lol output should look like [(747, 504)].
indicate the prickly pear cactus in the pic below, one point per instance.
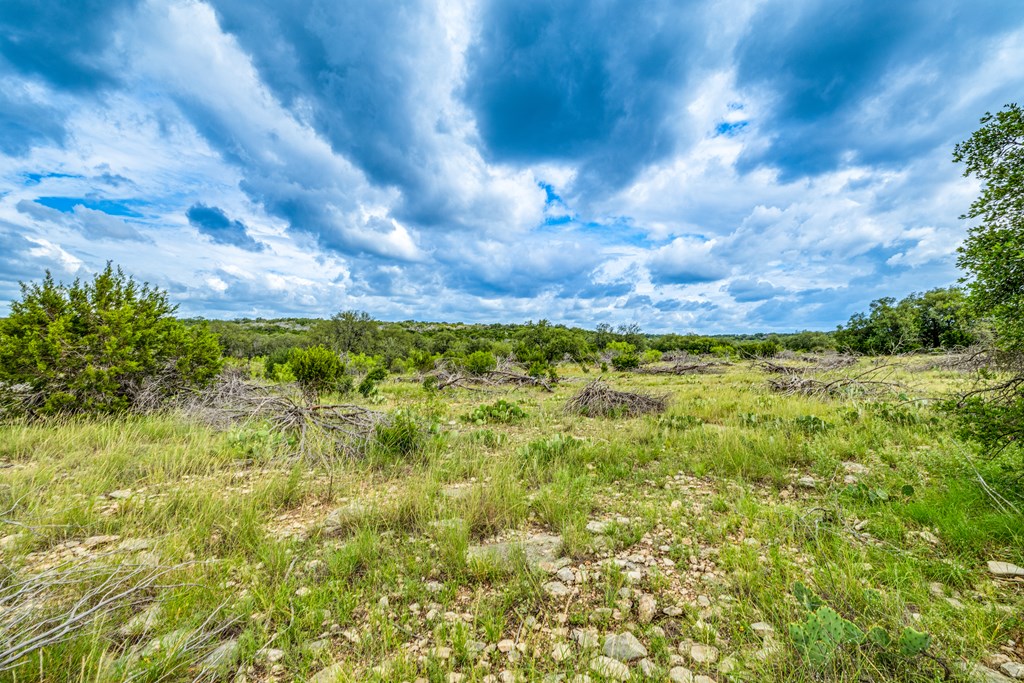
[(821, 635), (914, 642), (879, 636), (805, 597)]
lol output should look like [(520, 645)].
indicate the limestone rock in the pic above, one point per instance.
[(624, 647), (610, 668)]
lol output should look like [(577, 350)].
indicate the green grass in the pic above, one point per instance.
[(706, 493)]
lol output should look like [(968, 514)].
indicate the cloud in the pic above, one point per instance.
[(686, 260), (699, 166), (596, 85), (853, 82), (215, 224)]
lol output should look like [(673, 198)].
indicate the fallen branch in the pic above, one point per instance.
[(597, 399)]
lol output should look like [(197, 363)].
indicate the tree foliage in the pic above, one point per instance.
[(993, 257), (317, 369), (993, 253), (104, 346), (936, 319)]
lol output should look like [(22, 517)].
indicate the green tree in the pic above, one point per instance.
[(993, 253), (104, 346), (350, 332), (993, 257)]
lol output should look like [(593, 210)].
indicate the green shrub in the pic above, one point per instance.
[(399, 435), (369, 384), (626, 361), (480, 362), (101, 347), (317, 369)]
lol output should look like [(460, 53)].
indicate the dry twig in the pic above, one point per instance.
[(597, 399)]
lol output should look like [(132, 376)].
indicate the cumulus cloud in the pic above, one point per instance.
[(720, 166), (215, 224)]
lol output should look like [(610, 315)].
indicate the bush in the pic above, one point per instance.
[(102, 347), (369, 383), (400, 435), (626, 361), (480, 362), (317, 369)]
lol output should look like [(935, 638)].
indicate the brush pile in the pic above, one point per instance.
[(872, 382), (683, 368), (597, 399), (505, 375), (234, 400)]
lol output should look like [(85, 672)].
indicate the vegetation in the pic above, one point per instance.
[(100, 347), (937, 319), (317, 369)]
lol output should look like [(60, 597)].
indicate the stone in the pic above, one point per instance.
[(142, 623), (610, 668), (761, 629), (506, 645), (854, 468), (703, 654), (646, 609), (807, 483), (928, 537), (315, 647), (539, 548), (271, 655), (983, 674), (1005, 570), (672, 611), (647, 668), (556, 589), (120, 494), (680, 674), (302, 591), (345, 516), (565, 575), (586, 638), (335, 673), (703, 679), (1013, 670), (455, 677), (597, 527), (165, 643), (624, 647), (728, 665), (221, 657), (561, 651)]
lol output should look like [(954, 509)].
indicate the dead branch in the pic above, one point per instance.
[(710, 368), (597, 399), (871, 382), (233, 400)]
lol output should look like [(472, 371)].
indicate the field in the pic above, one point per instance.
[(511, 550)]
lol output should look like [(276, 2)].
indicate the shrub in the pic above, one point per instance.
[(317, 369), (400, 435), (626, 361), (369, 383), (101, 347), (480, 362)]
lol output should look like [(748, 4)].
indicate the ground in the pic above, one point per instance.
[(558, 547)]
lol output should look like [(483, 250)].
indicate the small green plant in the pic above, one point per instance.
[(368, 386), (811, 424), (678, 422), (399, 435), (317, 370), (823, 634), (500, 411)]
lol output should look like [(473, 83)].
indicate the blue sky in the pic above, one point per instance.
[(715, 166)]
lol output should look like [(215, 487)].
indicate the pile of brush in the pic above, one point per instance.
[(597, 399)]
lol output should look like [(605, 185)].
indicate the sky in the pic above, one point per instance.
[(710, 166)]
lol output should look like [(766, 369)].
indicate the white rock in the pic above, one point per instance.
[(609, 668), (335, 673), (556, 589), (647, 667), (565, 575), (807, 482), (646, 608), (761, 628), (624, 647), (1005, 570), (586, 638), (561, 651), (1013, 670), (680, 674), (506, 645), (703, 654)]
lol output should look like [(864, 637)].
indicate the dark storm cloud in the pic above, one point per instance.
[(589, 83), (215, 224), (824, 68)]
